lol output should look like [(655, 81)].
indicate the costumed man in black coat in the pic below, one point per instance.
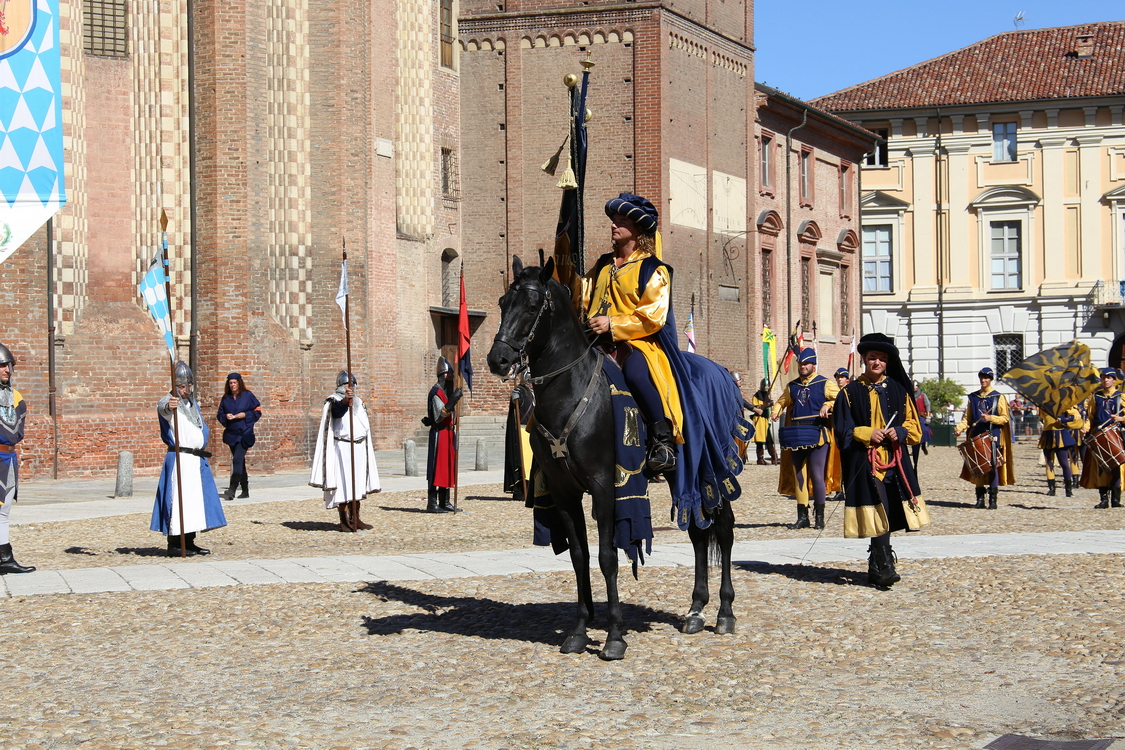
[(875, 417)]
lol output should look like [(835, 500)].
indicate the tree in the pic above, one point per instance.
[(944, 394)]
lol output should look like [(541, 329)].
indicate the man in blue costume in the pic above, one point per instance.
[(806, 442), (202, 509), (1105, 412), (13, 412), (988, 413)]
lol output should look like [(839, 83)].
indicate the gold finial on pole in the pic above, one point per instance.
[(571, 80), (588, 63)]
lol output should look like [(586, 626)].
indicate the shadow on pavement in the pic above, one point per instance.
[(142, 551), (809, 573), (311, 525), (547, 622), (402, 510)]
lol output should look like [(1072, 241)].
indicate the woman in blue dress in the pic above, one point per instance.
[(238, 411)]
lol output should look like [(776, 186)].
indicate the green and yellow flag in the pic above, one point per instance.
[(1056, 379), (769, 353)]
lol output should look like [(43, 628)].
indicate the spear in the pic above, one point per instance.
[(175, 390), (349, 512)]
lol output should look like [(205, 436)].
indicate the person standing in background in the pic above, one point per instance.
[(238, 411)]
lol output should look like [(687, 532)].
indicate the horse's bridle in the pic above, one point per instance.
[(521, 349)]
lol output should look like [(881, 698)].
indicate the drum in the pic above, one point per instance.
[(977, 452), (1108, 448)]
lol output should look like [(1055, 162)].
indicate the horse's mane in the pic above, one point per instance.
[(558, 291)]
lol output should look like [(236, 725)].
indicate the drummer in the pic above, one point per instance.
[(1104, 408), (987, 414), (1059, 441)]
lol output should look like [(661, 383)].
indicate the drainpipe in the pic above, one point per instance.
[(51, 406), (193, 346), (940, 238), (789, 222)]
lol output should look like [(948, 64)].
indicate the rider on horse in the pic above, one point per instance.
[(625, 299)]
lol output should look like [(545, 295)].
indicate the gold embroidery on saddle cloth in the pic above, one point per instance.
[(622, 475), (630, 435)]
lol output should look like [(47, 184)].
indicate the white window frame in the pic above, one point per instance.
[(766, 173), (1006, 256), (1004, 142), (890, 258)]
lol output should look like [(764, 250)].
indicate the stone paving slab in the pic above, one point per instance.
[(178, 574)]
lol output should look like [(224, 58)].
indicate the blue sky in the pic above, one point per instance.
[(811, 48)]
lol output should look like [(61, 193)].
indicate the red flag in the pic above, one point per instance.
[(464, 340), (794, 349)]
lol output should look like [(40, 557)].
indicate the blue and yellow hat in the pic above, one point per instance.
[(634, 207), (987, 372), (1111, 372), (843, 372), (807, 355)]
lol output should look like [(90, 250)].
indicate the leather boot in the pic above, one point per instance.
[(1103, 493), (444, 503), (245, 487), (174, 546), (358, 523), (8, 562), (761, 455), (662, 448), (432, 501), (992, 498), (193, 548), (980, 497), (228, 494), (1051, 488), (345, 517), (1115, 497), (1068, 487), (881, 567), (773, 454), (818, 512), (802, 517)]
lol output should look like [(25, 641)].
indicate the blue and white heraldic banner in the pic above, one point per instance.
[(31, 133)]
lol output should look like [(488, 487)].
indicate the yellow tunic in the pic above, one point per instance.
[(787, 478), (1002, 417), (636, 316), (761, 421), (1093, 475)]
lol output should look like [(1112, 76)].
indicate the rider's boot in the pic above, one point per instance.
[(802, 517), (980, 497), (1051, 488), (662, 448), (1103, 493), (819, 514)]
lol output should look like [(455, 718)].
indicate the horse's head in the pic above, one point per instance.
[(522, 313)]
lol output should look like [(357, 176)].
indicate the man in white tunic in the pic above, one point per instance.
[(345, 432), (202, 509)]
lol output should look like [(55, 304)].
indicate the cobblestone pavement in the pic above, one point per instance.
[(960, 651)]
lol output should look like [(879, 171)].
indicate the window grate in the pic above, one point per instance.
[(1009, 351), (105, 29)]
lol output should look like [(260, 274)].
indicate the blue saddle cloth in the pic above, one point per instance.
[(632, 511)]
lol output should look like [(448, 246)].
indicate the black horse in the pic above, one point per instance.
[(538, 321)]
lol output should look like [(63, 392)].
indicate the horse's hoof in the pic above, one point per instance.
[(693, 623), (575, 644), (613, 651), (725, 625)]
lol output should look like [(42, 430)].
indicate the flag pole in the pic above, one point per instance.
[(349, 512), (457, 413), (175, 391)]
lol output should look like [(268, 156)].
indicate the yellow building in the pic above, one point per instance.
[(993, 222)]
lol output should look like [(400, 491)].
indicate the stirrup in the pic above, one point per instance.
[(661, 457)]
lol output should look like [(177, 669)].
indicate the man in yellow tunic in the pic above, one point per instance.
[(1105, 414), (987, 414), (625, 299)]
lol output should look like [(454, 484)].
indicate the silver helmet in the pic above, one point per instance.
[(184, 375), (443, 367), (6, 357), (342, 378)]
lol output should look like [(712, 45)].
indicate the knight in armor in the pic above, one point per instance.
[(875, 417), (441, 461), (760, 405), (344, 459), (625, 299), (1059, 442), (179, 413), (987, 413), (1105, 413), (13, 413), (806, 439)]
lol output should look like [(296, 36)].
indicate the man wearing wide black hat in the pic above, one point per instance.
[(874, 418), (988, 414)]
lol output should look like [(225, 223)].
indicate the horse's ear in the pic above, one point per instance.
[(517, 266), (548, 271)]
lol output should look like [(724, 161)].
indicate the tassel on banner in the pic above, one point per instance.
[(552, 165), (568, 181)]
